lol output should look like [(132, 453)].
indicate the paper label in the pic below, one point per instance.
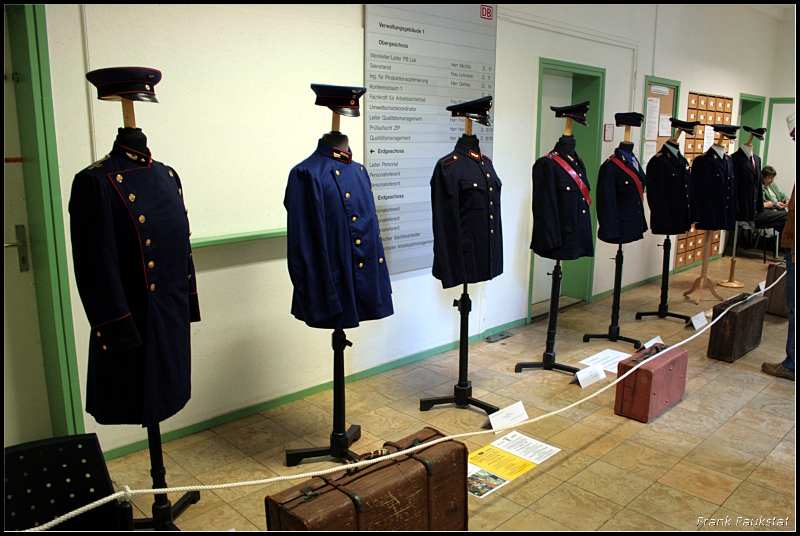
[(589, 375), (699, 320), (607, 359), (508, 416), (651, 342)]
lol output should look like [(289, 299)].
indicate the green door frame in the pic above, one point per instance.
[(27, 29), (588, 83), (772, 103), (666, 82), (751, 113)]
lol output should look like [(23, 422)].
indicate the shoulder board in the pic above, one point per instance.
[(658, 154), (447, 160), (487, 159), (99, 163)]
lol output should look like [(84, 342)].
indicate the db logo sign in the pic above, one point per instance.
[(486, 12)]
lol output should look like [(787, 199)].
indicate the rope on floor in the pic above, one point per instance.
[(126, 494)]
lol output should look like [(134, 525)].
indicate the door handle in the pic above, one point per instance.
[(22, 248)]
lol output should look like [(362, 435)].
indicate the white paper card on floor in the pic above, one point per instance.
[(589, 375), (651, 342), (699, 320), (608, 359), (507, 416)]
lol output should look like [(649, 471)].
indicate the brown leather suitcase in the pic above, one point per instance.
[(426, 490), (739, 331), (776, 296), (654, 387)]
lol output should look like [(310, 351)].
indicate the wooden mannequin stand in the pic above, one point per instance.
[(663, 307), (340, 439), (613, 330), (731, 282), (462, 391), (549, 357), (164, 512)]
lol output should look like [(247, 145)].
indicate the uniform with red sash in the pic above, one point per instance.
[(620, 205)]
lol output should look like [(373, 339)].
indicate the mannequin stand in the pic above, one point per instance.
[(703, 280), (731, 282), (663, 307), (549, 357), (462, 391), (341, 439), (613, 330), (164, 513)]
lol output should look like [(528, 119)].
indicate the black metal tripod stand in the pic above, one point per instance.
[(164, 513), (340, 439), (462, 391), (549, 357), (663, 307), (613, 330)]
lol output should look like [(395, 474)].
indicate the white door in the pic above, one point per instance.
[(26, 411)]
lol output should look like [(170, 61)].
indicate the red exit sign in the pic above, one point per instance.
[(487, 12)]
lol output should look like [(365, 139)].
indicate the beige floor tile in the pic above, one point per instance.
[(490, 512), (304, 420), (725, 459), (563, 400), (208, 499), (565, 464), (245, 470), (606, 420), (491, 380), (387, 391), (528, 520), (641, 460), (184, 441), (204, 456), (630, 521), (744, 439), (222, 518), (421, 378), (754, 501), (610, 482), (355, 403), (785, 453), (529, 487), (745, 380), (136, 457), (258, 437), (587, 440), (774, 476), (137, 475), (672, 507), (762, 422), (545, 427), (689, 422), (290, 406), (381, 422), (700, 481), (666, 439), (251, 506), (223, 429), (780, 407), (575, 508), (781, 388), (456, 420)]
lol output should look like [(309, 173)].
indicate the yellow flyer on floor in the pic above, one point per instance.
[(497, 464)]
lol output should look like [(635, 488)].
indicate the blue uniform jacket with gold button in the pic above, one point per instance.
[(669, 193), (136, 279), (467, 229), (714, 190), (335, 253), (562, 223), (620, 210)]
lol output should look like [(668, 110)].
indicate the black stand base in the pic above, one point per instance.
[(462, 391), (549, 357), (613, 330), (663, 307), (164, 513), (340, 439)]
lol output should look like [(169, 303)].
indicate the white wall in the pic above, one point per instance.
[(248, 348)]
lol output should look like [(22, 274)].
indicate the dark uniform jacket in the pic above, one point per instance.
[(669, 193), (562, 224), (714, 190), (749, 196), (620, 210), (335, 252), (467, 231), (135, 275)]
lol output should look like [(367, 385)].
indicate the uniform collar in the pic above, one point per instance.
[(462, 149), (334, 153), (132, 156)]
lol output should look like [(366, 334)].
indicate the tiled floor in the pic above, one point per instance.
[(728, 449)]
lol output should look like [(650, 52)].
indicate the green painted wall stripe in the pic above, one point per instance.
[(240, 237), (252, 410)]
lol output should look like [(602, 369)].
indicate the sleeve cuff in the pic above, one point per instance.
[(119, 334), (194, 307)]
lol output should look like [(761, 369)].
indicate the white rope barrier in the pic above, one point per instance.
[(126, 494)]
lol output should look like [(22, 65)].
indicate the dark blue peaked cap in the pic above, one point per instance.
[(132, 83), (686, 126), (727, 130), (757, 132), (630, 119), (477, 110), (576, 112), (341, 99)]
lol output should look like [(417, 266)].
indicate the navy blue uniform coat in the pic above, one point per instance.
[(136, 279), (620, 210), (467, 230), (669, 193), (714, 190), (335, 253), (749, 196), (562, 224)]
